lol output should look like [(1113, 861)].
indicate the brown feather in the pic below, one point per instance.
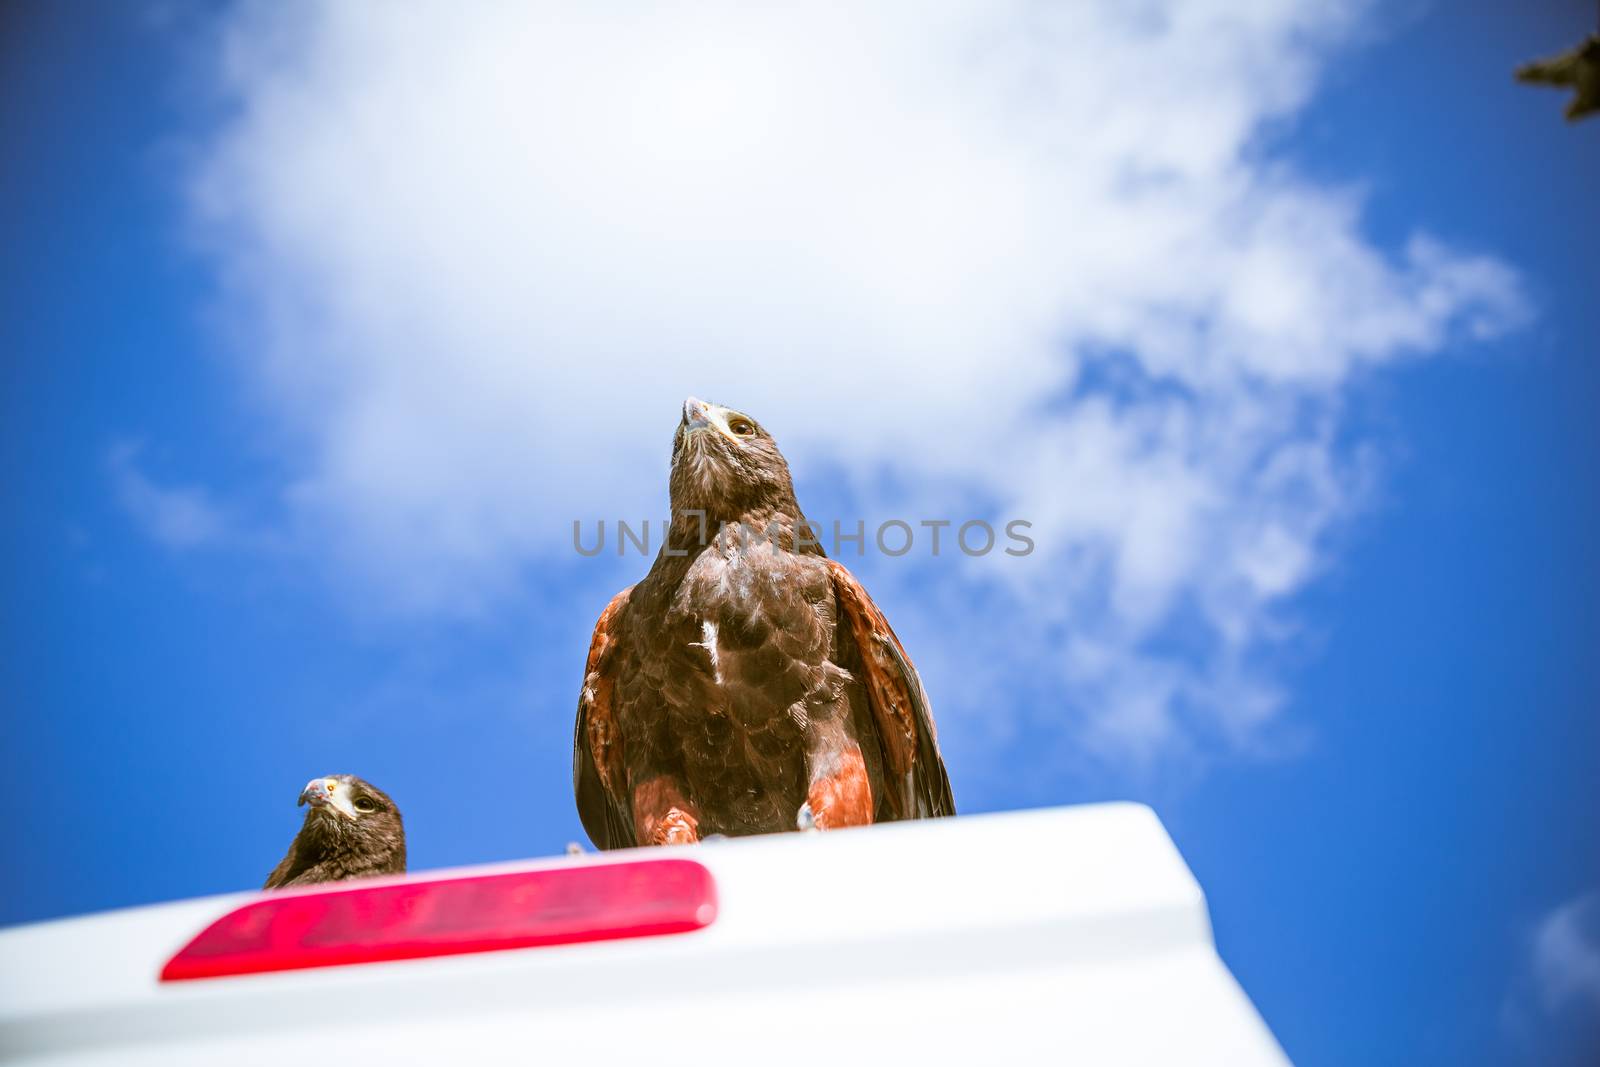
[(744, 678), (899, 706), (331, 847), (597, 771)]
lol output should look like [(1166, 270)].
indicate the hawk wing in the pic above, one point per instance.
[(917, 785), (287, 867), (599, 781), (1557, 70)]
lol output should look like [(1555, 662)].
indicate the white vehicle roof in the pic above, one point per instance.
[(1076, 934)]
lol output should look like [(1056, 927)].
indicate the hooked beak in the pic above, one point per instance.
[(700, 415), (328, 793)]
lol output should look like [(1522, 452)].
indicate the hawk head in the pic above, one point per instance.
[(725, 464), (353, 828)]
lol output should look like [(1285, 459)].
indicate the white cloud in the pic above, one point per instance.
[(1034, 255), (1566, 956), (179, 517), (1551, 1009)]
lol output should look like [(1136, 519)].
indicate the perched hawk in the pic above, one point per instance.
[(352, 830), (747, 684), (1577, 68)]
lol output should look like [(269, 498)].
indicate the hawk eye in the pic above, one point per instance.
[(742, 427), (365, 805)]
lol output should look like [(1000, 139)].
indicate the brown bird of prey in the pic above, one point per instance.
[(747, 684), (1578, 68), (352, 830)]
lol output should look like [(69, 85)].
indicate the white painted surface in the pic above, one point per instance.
[(1071, 934)]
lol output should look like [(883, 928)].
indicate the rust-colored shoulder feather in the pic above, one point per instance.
[(598, 778), (899, 705)]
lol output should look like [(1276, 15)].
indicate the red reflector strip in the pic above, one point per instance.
[(409, 920)]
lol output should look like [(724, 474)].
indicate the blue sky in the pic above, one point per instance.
[(1332, 614)]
